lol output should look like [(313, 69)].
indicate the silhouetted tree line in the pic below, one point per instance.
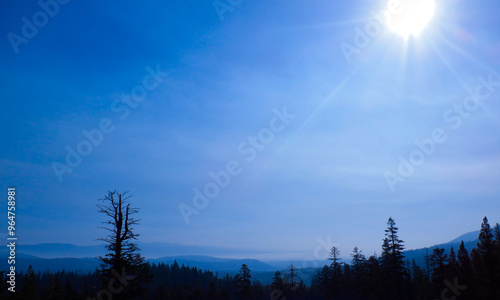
[(61, 285), (447, 274), (168, 282)]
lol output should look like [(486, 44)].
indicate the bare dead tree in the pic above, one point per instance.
[(123, 269)]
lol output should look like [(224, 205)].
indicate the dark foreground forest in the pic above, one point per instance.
[(124, 274)]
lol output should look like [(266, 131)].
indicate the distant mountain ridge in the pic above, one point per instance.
[(468, 237), (61, 250), (60, 256), (215, 264), (470, 240), (85, 265), (149, 250)]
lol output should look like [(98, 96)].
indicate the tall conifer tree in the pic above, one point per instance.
[(392, 262)]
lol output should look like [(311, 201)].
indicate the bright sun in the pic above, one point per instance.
[(409, 17)]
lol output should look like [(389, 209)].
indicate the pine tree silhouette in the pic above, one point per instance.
[(392, 262)]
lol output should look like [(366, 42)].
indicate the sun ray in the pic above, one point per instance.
[(317, 110), (450, 68), (337, 89), (266, 168), (462, 83), (462, 52)]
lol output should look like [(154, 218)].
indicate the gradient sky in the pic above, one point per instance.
[(321, 177)]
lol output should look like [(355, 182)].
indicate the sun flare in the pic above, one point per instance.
[(409, 17)]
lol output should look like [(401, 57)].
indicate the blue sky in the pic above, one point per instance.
[(323, 175)]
